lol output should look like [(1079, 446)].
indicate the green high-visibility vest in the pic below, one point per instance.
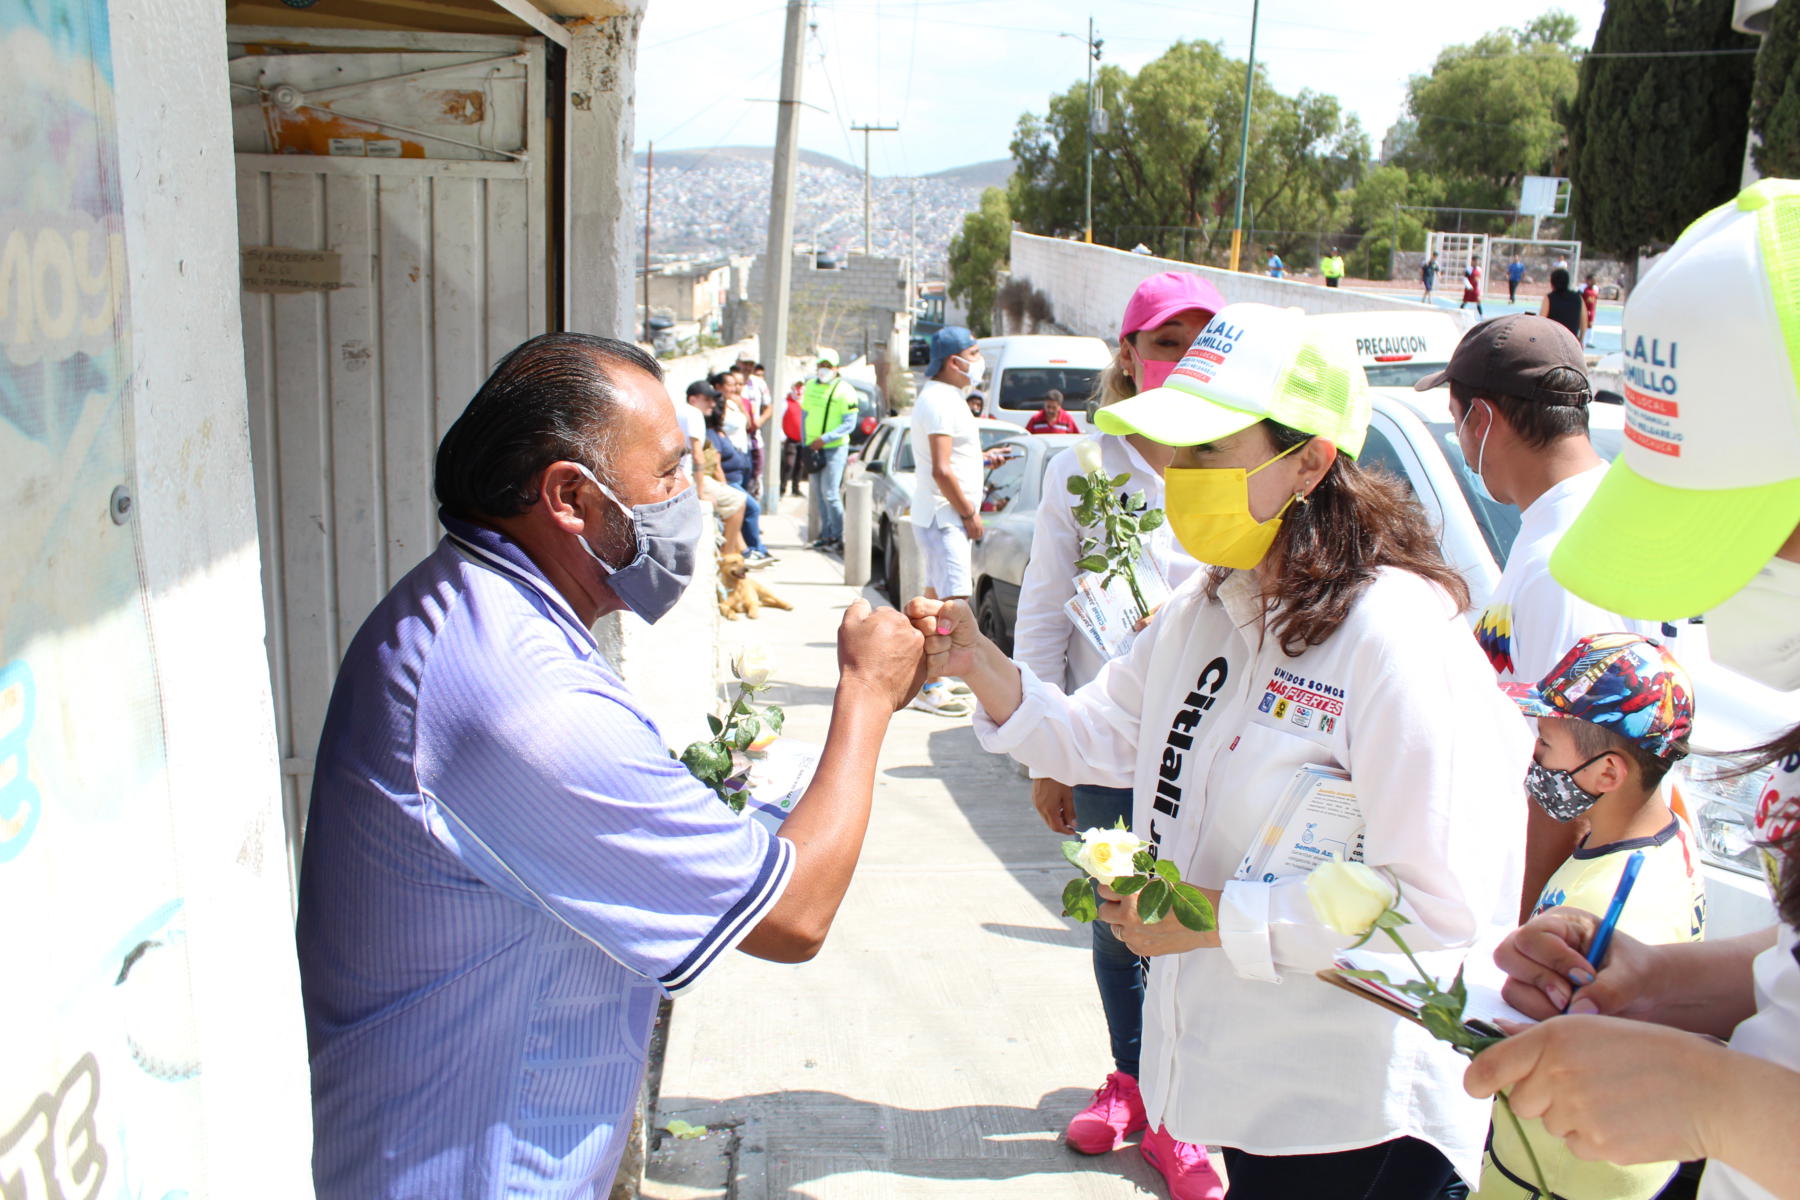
[(824, 406)]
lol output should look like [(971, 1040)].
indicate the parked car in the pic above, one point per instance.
[(887, 460), (1009, 504), (869, 410), (1022, 369), (1412, 435)]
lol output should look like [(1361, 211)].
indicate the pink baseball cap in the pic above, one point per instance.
[(1162, 296)]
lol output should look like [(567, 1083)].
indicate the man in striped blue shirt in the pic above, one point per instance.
[(504, 869)]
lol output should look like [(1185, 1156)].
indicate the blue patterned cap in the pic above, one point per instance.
[(1624, 683)]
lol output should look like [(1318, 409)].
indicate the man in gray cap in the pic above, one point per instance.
[(1519, 396)]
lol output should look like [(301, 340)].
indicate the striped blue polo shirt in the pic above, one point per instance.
[(504, 870)]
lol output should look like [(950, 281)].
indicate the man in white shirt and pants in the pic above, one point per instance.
[(1519, 395), (946, 506)]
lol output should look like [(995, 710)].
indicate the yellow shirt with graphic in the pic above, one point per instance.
[(1667, 904)]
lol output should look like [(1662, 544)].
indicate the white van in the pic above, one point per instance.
[(1397, 348), (1022, 369)]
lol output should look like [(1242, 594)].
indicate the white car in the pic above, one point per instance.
[(1397, 349), (1022, 369), (1412, 434)]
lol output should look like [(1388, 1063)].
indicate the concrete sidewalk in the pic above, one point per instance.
[(948, 1030)]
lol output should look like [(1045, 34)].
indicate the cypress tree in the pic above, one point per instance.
[(1775, 102), (1657, 141)]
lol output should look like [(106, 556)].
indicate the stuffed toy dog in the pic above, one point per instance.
[(739, 593)]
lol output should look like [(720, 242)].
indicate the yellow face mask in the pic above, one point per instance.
[(1209, 514)]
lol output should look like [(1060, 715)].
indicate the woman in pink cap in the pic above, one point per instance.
[(1164, 316)]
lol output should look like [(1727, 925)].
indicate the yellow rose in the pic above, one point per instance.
[(1349, 896), (753, 665), (1106, 853)]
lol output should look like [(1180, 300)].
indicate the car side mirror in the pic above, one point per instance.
[(875, 468)]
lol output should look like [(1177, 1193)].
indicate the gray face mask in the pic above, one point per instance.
[(1557, 793), (668, 541)]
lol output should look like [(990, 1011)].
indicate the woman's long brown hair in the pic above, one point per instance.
[(1787, 898), (1329, 549)]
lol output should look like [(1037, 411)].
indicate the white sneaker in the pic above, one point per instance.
[(942, 701), (960, 688)]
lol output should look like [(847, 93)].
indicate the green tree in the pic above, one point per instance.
[(1377, 210), (1775, 97), (1490, 113), (977, 255), (1165, 164), (1656, 141)]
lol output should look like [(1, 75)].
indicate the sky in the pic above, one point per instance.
[(956, 74)]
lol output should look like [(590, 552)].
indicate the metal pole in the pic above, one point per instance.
[(1088, 208), (649, 182), (778, 262), (1237, 227), (868, 221)]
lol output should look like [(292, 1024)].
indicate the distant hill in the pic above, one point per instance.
[(993, 173), (686, 159)]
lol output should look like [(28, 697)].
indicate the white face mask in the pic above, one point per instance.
[(975, 368), (1757, 631), (826, 375)]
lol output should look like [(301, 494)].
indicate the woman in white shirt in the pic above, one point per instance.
[(1163, 317), (1330, 632), (1680, 530)]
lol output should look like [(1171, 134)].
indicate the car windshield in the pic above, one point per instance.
[(1022, 389), (1399, 374), (1500, 522)]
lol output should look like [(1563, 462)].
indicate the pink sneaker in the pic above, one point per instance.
[(1116, 1112), (1184, 1167)]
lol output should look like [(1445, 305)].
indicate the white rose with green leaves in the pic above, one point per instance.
[(1349, 896), (1106, 853), (1087, 456), (753, 665)]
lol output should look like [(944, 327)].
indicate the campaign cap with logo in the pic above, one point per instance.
[(1622, 682), (1253, 362), (1707, 487)]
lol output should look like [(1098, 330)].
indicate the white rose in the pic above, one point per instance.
[(1348, 896), (753, 665), (1106, 853), (1087, 456)]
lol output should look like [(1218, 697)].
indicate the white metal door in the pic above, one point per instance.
[(356, 370)]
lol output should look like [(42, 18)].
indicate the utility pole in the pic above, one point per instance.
[(1237, 226), (868, 209), (1093, 56), (649, 182), (779, 260)]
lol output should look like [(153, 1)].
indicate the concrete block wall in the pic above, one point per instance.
[(857, 302), (1088, 286)]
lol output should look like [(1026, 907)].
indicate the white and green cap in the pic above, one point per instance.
[(1253, 362), (1707, 487)]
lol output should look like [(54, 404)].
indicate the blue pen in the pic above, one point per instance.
[(1603, 936)]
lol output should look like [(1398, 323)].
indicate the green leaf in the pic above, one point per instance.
[(1093, 562), (1135, 502), (742, 707), (1193, 909), (1421, 989), (717, 726), (1144, 861), (735, 800), (1119, 481), (1444, 1026), (1459, 992), (1390, 920), (1154, 901), (1078, 900), (1127, 884), (1150, 520), (1077, 485), (1169, 872), (685, 1131), (1375, 976), (708, 762), (1072, 852), (1126, 528)]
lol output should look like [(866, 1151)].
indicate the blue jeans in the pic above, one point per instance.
[(828, 485), (753, 525), (1118, 972)]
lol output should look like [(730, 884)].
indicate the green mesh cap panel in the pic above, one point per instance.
[(1325, 394), (1778, 227)]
